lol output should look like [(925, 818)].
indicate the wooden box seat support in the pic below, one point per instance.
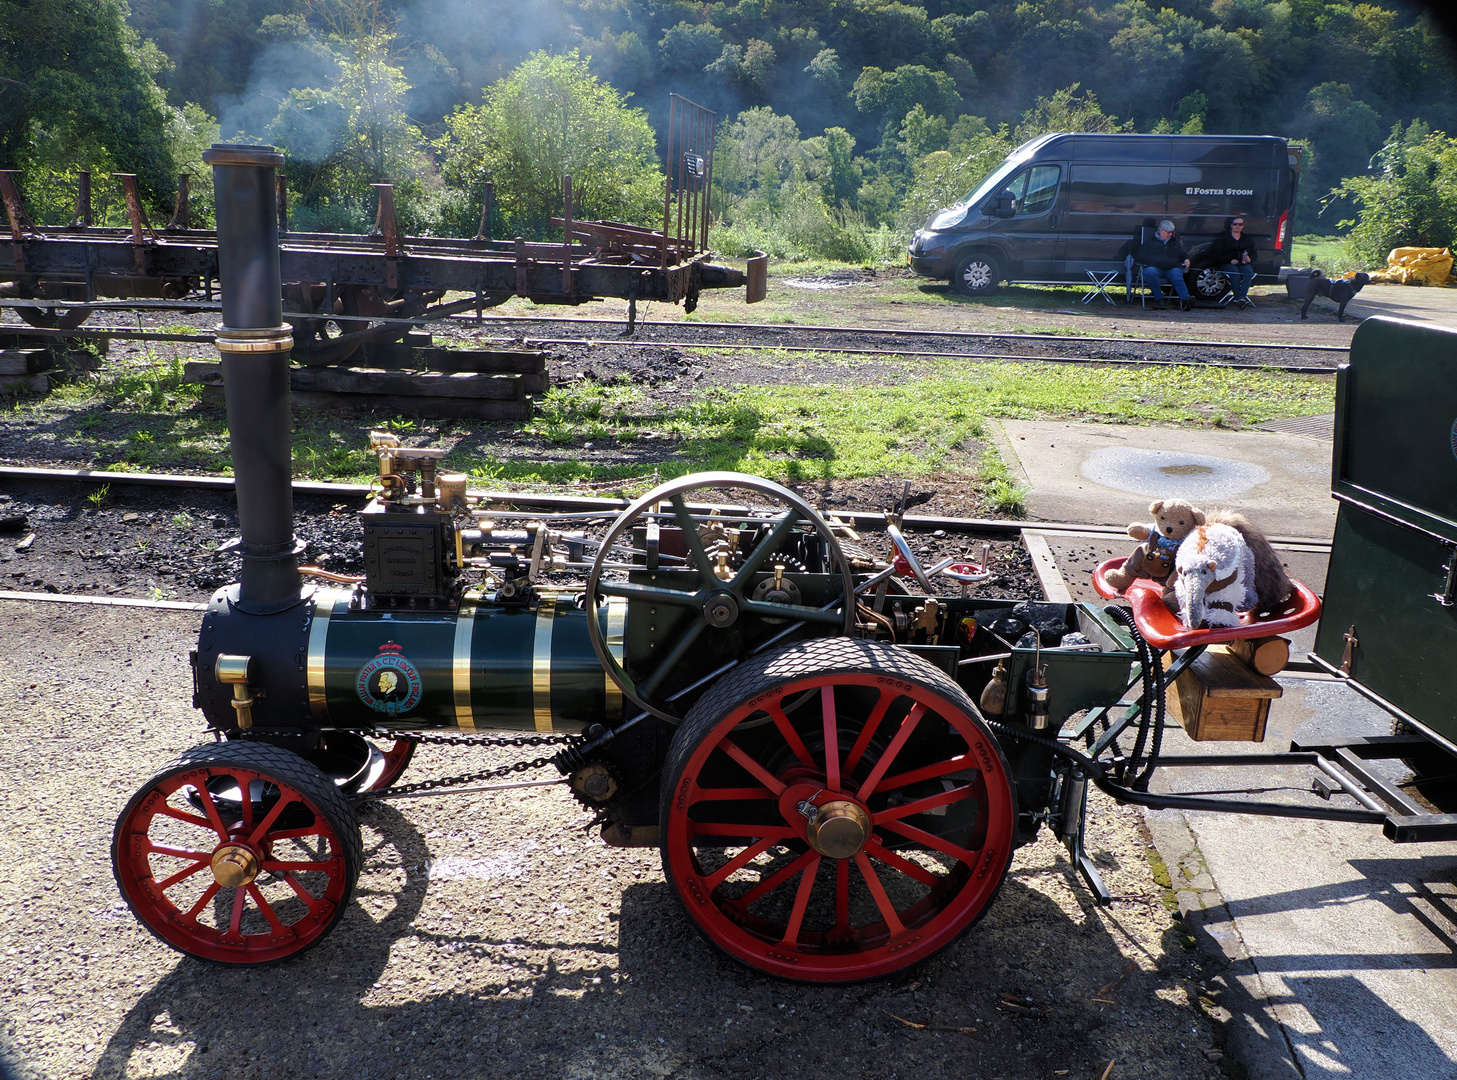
[(1220, 698)]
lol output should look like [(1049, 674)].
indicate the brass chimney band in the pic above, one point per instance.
[(273, 339)]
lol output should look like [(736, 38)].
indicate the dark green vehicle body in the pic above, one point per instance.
[(1394, 471)]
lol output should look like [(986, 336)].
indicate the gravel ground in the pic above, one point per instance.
[(495, 937)]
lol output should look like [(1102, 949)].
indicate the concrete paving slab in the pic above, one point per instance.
[(1424, 303), (1342, 947), (1107, 474)]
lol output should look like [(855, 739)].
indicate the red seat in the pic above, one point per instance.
[(1163, 629)]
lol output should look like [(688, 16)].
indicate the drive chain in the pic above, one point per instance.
[(418, 737)]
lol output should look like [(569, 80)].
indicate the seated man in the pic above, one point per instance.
[(1164, 257), (1233, 256)]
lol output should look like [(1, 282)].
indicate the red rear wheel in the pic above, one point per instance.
[(835, 811), (238, 853)]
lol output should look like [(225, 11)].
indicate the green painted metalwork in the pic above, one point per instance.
[(1390, 615), (504, 678), (1384, 580), (1396, 424)]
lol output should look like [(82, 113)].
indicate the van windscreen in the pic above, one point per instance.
[(988, 187)]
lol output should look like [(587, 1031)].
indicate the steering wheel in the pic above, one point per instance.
[(736, 610)]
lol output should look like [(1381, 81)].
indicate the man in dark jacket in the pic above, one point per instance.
[(1164, 257)]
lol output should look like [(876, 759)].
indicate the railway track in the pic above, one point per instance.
[(548, 504), (980, 346)]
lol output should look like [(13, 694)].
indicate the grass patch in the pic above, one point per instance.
[(804, 433), (1328, 254)]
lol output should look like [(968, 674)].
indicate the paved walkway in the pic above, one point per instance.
[(1338, 948)]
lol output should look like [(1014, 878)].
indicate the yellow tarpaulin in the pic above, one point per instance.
[(1417, 266)]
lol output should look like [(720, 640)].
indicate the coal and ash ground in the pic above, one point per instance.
[(161, 544)]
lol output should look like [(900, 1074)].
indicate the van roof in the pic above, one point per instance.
[(1251, 151)]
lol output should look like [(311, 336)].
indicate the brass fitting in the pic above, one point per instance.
[(234, 671)]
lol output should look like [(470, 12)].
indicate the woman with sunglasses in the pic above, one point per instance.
[(1233, 255)]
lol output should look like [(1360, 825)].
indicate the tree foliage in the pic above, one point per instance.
[(1410, 200), (549, 119), (76, 93)]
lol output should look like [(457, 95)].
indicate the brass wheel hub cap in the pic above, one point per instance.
[(839, 829), (234, 866)]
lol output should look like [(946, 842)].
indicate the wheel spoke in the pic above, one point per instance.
[(181, 875), (314, 906), (316, 829), (930, 772), (925, 839), (796, 744), (210, 808), (257, 835), (730, 794), (745, 829), (692, 541), (177, 853), (797, 612), (766, 547), (773, 882), (905, 866), (832, 737), (666, 664), (184, 816), (265, 907), (302, 867), (872, 724), (738, 862), (239, 896), (757, 771), (842, 896), (877, 890), (245, 800), (202, 902), (908, 725), (920, 806), (801, 901), (632, 591)]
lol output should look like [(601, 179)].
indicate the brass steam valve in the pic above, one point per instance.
[(234, 670)]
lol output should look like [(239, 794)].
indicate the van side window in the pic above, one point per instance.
[(1041, 190)]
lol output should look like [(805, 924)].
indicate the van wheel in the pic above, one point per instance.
[(1210, 284), (976, 275)]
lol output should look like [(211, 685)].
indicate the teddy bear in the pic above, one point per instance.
[(1173, 519)]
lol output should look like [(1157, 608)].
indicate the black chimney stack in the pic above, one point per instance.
[(255, 346)]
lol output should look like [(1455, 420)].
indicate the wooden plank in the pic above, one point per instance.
[(374, 381), (1225, 675), (495, 361), (24, 361), (1220, 699), (25, 384), (390, 405), (466, 384), (209, 373)]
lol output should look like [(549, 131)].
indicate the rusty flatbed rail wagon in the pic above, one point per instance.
[(724, 673), (334, 286)]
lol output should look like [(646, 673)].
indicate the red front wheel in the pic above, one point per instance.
[(835, 811), (238, 853)]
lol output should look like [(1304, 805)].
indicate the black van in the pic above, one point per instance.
[(1061, 205)]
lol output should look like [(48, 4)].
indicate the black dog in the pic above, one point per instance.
[(1341, 290)]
